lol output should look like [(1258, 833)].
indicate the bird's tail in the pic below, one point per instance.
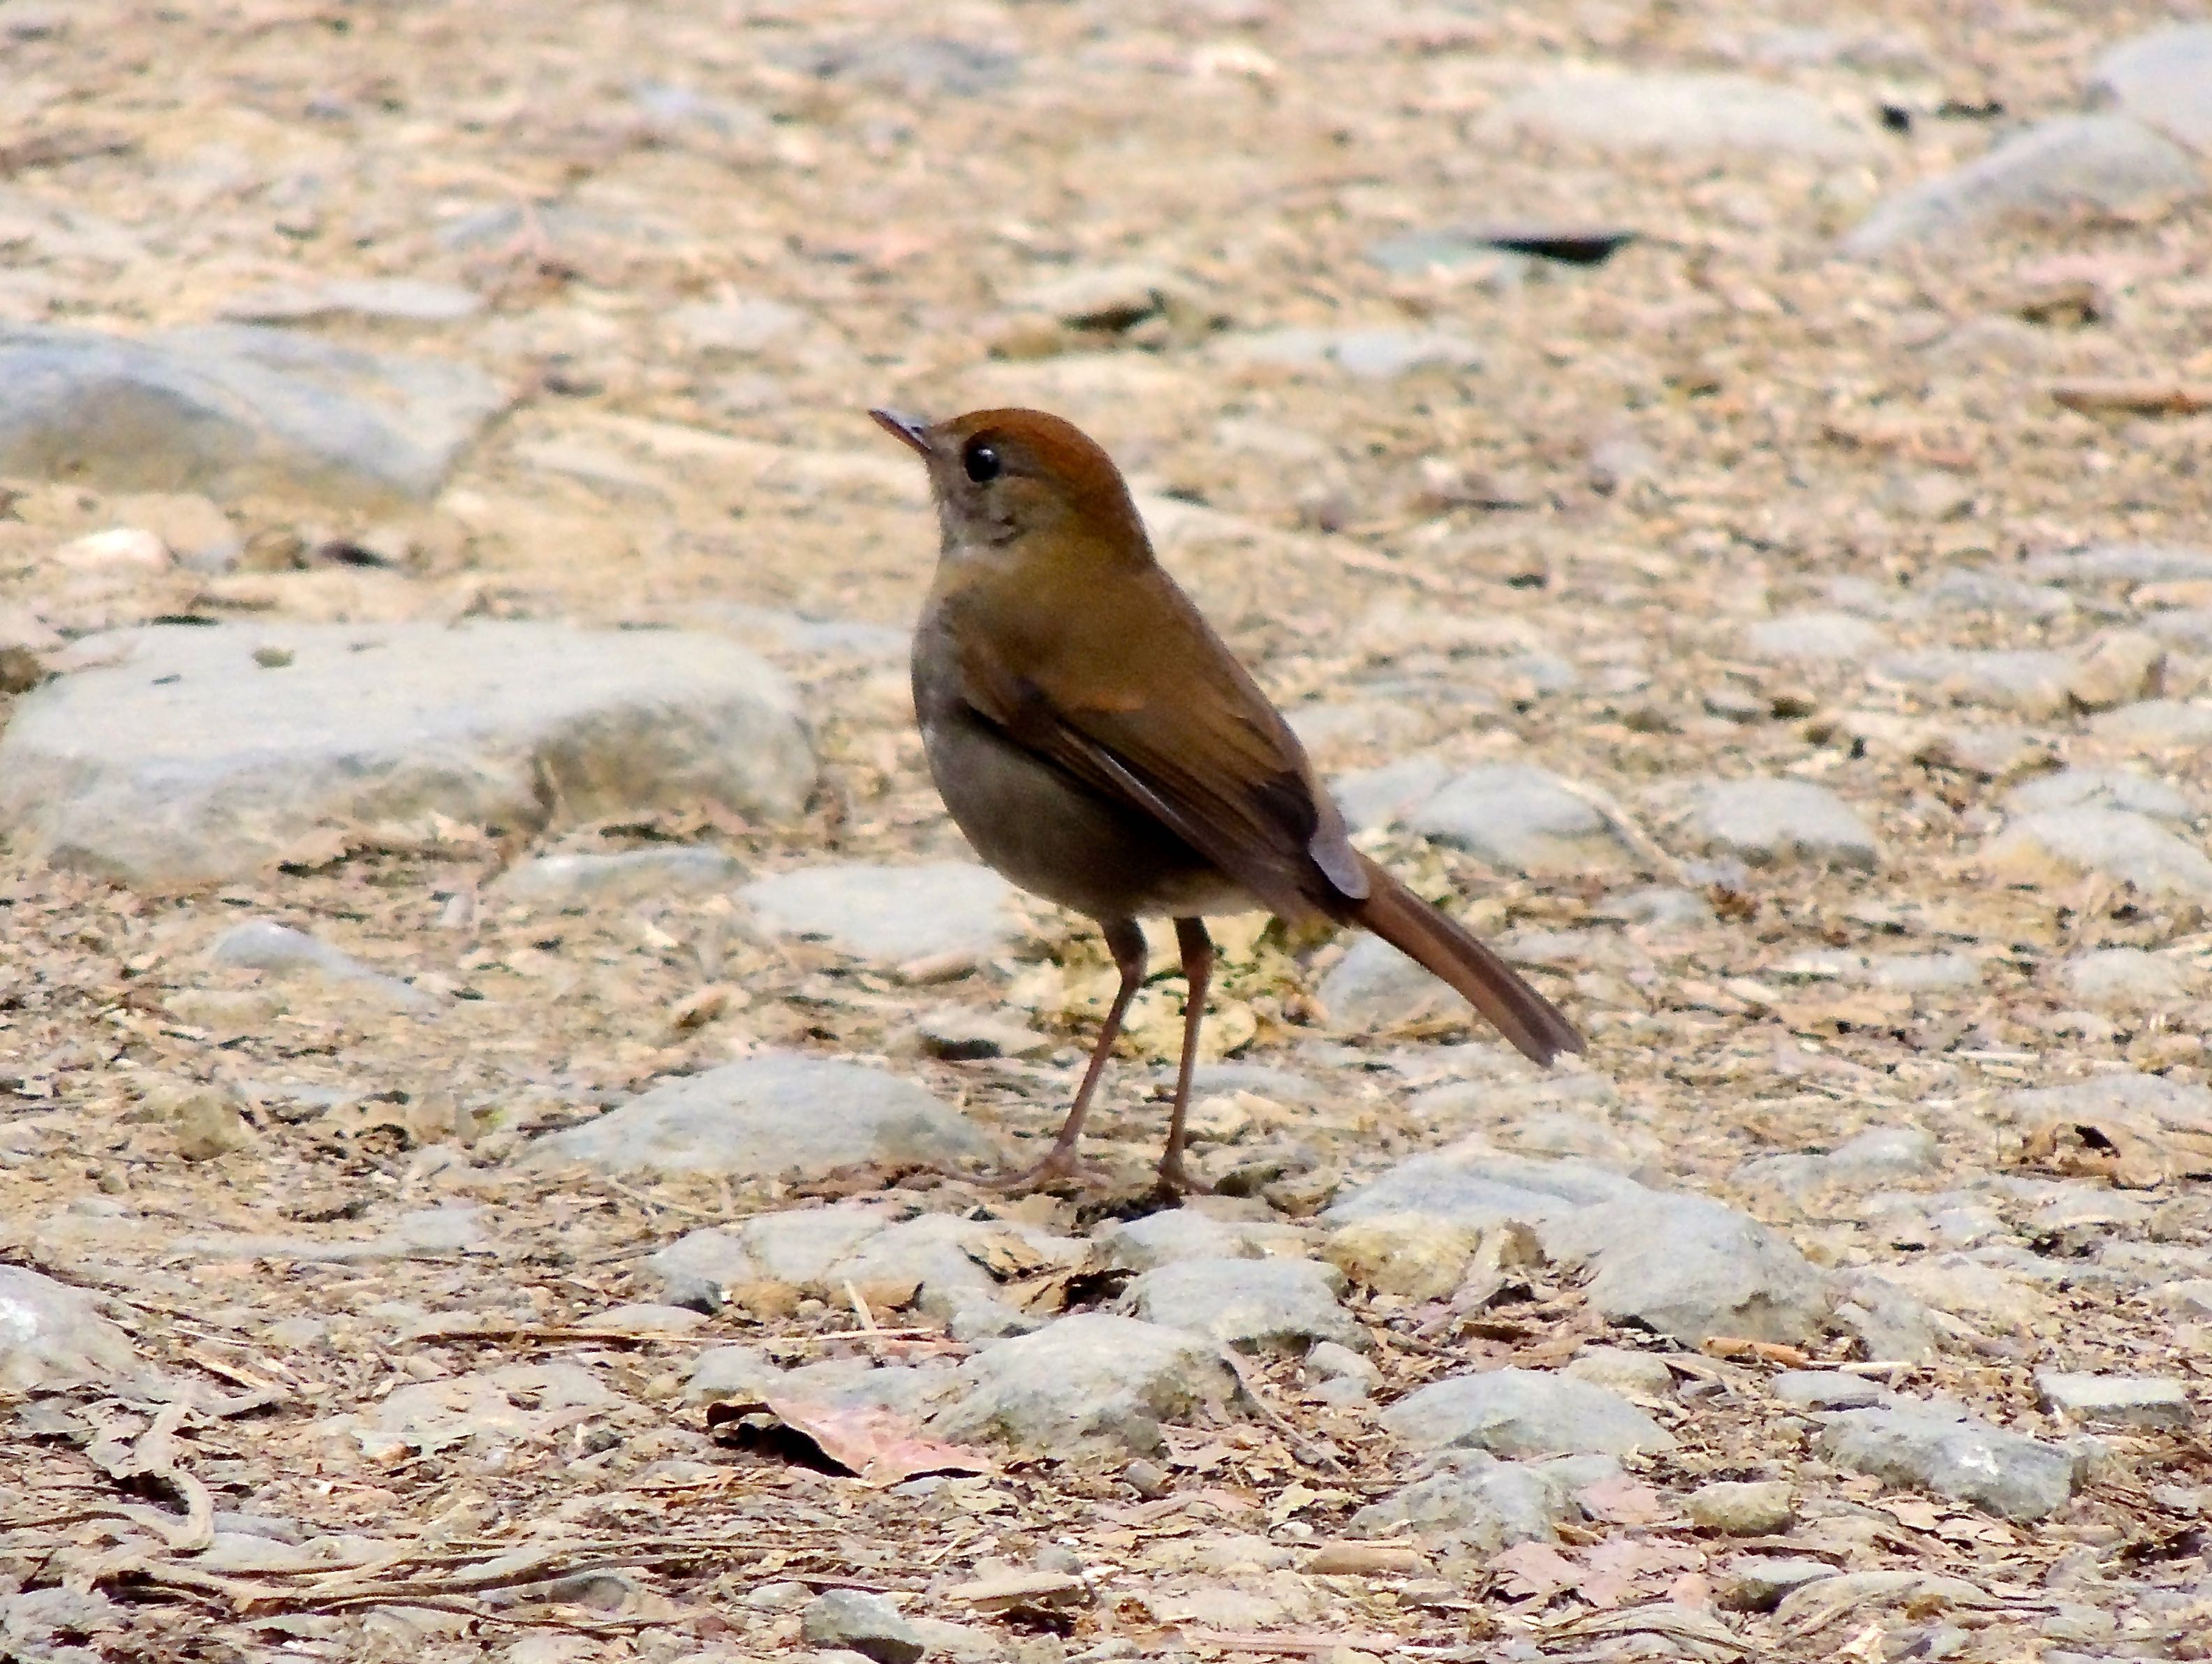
[(1444, 948)]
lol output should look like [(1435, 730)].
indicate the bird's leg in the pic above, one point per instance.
[(1126, 941), (1197, 971)]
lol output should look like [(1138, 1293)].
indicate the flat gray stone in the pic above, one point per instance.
[(1758, 1582), (1378, 354), (1479, 1188), (1775, 822), (2033, 681), (554, 883), (2192, 626), (184, 761), (231, 411), (891, 914), (1369, 798), (796, 1246), (1175, 1233), (2118, 1400), (1953, 1454), (374, 300), (1374, 985), (1826, 638), (53, 1337), (1523, 1413), (263, 945), (1469, 1497), (2102, 564), (944, 1253), (1743, 1508), (2058, 846), (1978, 590), (1681, 113), (725, 1375), (1825, 1390), (2125, 979), (2051, 171), (861, 1622), (2156, 724), (1522, 819), (740, 328), (1689, 1266), (2164, 79), (778, 1115), (2100, 788), (1090, 1379), (1280, 1304)]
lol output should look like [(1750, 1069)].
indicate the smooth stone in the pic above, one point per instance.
[(1374, 985), (2033, 681), (2143, 1402), (2123, 563), (891, 915), (2190, 627), (2056, 169), (1277, 1304), (2100, 788), (1774, 822), (1759, 1583), (1522, 819), (1691, 1267), (1417, 1256), (944, 1257), (728, 1374), (1661, 908), (1978, 590), (1479, 1188), (554, 881), (1743, 1509), (233, 411), (379, 300), (263, 945), (1176, 1234), (741, 327), (185, 762), (1953, 1454), (2164, 79), (795, 1245), (2058, 846), (1925, 972), (860, 1622), (772, 1116), (1619, 1369), (2156, 724), (1523, 1413), (2125, 979), (1835, 638), (1087, 1380), (1372, 797), (1470, 1497), (1825, 1390), (1377, 354), (53, 1337), (1681, 113)]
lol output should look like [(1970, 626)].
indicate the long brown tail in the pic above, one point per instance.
[(1443, 947)]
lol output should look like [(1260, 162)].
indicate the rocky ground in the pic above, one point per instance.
[(497, 1037)]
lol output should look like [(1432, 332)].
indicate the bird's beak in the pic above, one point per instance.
[(908, 430)]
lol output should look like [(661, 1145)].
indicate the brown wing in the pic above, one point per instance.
[(1220, 768)]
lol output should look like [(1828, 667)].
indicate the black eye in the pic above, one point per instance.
[(981, 461)]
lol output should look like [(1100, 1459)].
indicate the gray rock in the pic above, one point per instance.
[(1689, 1266), (376, 300), (1924, 973), (891, 914), (1378, 354), (1978, 590), (1681, 113), (865, 1624), (552, 883), (1374, 985), (1175, 1234), (727, 1375), (1383, 797), (2190, 627), (1479, 1188), (2033, 681), (1815, 638), (1758, 1582), (2057, 846), (2117, 1401), (1882, 1152), (740, 328), (1771, 822), (1086, 1380), (940, 1252), (2100, 788), (1523, 1413), (1953, 1454), (917, 65), (1523, 820), (801, 1245), (771, 1117), (2164, 79), (52, 1338), (2125, 979), (263, 945), (860, 1383), (1253, 1304), (2054, 170), (183, 761), (1661, 908), (2123, 563), (2156, 724), (233, 411), (1737, 1508), (1469, 1497), (1622, 1371), (1825, 1390)]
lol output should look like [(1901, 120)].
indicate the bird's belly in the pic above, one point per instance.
[(1057, 839)]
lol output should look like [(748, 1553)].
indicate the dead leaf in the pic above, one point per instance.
[(1535, 1571), (879, 1447), (1620, 1500)]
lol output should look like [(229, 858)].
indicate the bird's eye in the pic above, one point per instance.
[(981, 461)]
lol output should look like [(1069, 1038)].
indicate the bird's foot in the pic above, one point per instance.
[(1176, 1180), (1061, 1168)]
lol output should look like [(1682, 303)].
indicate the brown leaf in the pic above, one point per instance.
[(1623, 1501), (1535, 1570), (880, 1445)]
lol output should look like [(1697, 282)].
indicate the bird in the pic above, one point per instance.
[(1103, 748)]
